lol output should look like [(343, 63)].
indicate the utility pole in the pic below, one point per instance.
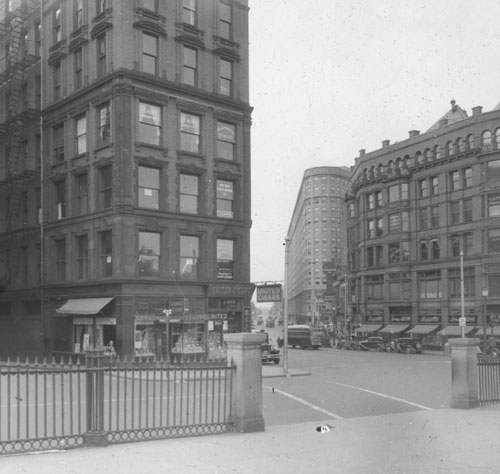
[(285, 310)]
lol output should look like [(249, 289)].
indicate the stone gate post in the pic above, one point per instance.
[(245, 351), (464, 373)]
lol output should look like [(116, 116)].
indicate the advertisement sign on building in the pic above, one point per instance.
[(268, 293)]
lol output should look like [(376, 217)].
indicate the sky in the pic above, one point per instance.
[(331, 77)]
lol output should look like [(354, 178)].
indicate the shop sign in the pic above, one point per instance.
[(217, 316), (429, 318), (400, 318), (228, 290), (374, 318), (247, 320), (268, 293), (177, 305), (225, 270)]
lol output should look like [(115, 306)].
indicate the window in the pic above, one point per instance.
[(434, 186), (379, 199), (78, 62), (467, 206), (370, 201), (455, 180), (189, 75), (149, 123), (455, 282), (486, 138), (430, 285), (494, 241), (493, 205), (380, 226), (398, 222), (226, 134), (460, 145), (150, 5), (398, 192), (375, 287), (101, 55), (78, 9), (399, 252), (225, 259), (82, 194), (101, 6), (190, 133), (189, 12), (82, 256), (467, 177), (149, 187), (435, 249), (455, 212), (189, 255), (61, 199), (188, 198), (423, 224), (450, 148), (461, 242), (423, 188), (81, 135), (371, 228), (225, 76), (455, 245), (399, 288), (103, 124), (436, 152), (106, 186), (224, 20), (225, 198), (56, 80), (434, 217), (424, 250), (470, 142), (149, 253), (56, 18), (60, 253), (493, 170), (58, 139), (149, 53), (106, 253)]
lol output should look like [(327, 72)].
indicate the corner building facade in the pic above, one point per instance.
[(317, 245), (144, 189), (415, 207)]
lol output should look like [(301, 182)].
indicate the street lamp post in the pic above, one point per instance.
[(285, 310), (463, 321)]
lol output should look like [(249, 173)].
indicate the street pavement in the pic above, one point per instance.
[(417, 442)]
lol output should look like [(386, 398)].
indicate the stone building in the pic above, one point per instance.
[(125, 130)]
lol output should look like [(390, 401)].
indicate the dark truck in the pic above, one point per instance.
[(269, 353)]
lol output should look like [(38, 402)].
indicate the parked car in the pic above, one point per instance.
[(373, 343), (409, 345), (490, 346), (269, 354), (351, 343)]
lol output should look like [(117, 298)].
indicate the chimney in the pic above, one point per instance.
[(385, 143), (414, 133), (362, 152), (477, 110)]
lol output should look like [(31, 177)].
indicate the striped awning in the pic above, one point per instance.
[(84, 306), (422, 329), (369, 328), (455, 330), (393, 329)]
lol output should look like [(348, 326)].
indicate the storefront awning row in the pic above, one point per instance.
[(84, 306), (455, 330), (394, 329), (369, 328), (422, 329)]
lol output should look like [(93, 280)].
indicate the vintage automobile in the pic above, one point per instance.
[(408, 345), (351, 343), (269, 353), (373, 343), (490, 346)]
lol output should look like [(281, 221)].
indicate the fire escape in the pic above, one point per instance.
[(16, 115)]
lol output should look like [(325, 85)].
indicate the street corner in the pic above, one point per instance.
[(269, 371)]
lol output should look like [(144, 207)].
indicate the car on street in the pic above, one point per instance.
[(350, 344), (490, 346), (408, 345), (373, 343), (269, 353)]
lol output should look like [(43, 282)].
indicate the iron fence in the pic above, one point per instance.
[(67, 404), (489, 379)]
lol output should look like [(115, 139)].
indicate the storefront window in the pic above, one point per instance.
[(83, 335), (187, 338)]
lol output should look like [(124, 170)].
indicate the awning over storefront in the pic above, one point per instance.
[(369, 328), (84, 306), (455, 330), (496, 331), (393, 329), (422, 329)]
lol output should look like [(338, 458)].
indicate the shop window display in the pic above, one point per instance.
[(188, 338)]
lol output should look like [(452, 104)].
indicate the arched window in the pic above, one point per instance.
[(497, 137), (435, 249), (427, 154), (470, 142), (380, 169), (450, 149), (460, 144), (390, 166), (419, 157), (486, 138), (437, 152)]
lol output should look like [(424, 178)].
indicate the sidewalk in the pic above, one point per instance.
[(421, 442)]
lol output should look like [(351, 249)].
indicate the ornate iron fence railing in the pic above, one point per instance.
[(489, 379)]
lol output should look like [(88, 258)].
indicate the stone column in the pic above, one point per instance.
[(464, 373), (245, 351)]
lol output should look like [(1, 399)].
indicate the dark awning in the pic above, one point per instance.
[(84, 306), (369, 328), (393, 329), (422, 329), (455, 330)]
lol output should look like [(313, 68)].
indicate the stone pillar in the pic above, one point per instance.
[(245, 351), (464, 373)]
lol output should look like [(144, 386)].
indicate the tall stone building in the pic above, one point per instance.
[(423, 217), (124, 176), (317, 244)]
